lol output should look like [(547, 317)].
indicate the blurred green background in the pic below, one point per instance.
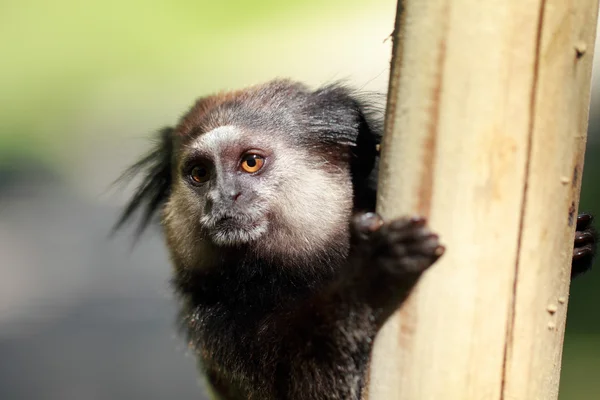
[(82, 85)]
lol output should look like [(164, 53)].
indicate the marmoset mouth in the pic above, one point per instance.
[(235, 231), (233, 222), (228, 222)]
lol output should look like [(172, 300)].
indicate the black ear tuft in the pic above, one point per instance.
[(153, 191), (341, 116)]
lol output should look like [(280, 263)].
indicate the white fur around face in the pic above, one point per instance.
[(298, 206), (313, 204)]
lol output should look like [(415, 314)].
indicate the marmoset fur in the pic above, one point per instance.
[(285, 273)]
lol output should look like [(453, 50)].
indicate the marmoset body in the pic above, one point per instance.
[(285, 274)]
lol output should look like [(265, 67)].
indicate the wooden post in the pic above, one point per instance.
[(485, 135)]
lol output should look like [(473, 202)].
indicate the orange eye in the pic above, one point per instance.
[(252, 163), (199, 174)]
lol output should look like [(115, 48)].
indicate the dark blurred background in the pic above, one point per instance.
[(82, 85)]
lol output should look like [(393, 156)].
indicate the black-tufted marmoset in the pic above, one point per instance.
[(285, 274)]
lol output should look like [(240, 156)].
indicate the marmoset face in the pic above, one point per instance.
[(228, 179), (234, 186), (268, 170)]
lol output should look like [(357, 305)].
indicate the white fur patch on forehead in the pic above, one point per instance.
[(214, 140)]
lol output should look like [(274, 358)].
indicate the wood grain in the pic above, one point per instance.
[(485, 135)]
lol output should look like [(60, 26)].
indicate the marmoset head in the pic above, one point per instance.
[(274, 170)]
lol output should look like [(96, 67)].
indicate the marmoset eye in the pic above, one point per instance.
[(252, 163), (199, 174)]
